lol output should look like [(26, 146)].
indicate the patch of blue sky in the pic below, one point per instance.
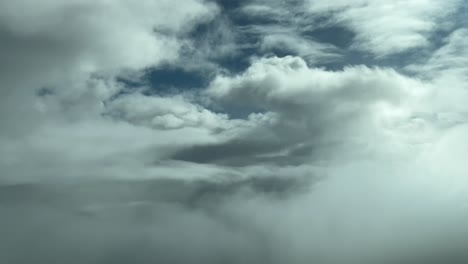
[(246, 34)]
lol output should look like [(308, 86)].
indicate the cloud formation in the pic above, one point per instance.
[(62, 43), (385, 27), (333, 135)]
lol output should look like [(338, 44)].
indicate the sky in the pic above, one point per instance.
[(221, 131)]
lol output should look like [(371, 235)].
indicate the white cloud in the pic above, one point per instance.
[(358, 105), (284, 79), (312, 51), (452, 57), (58, 43), (362, 165), (388, 27), (447, 69), (165, 112), (97, 35)]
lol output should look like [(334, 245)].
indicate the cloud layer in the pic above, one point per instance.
[(318, 131)]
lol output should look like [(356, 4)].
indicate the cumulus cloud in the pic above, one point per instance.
[(312, 110), (275, 160), (58, 43)]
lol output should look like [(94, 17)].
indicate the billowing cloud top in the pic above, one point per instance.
[(251, 131)]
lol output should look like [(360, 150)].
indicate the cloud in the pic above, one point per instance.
[(451, 56), (355, 215), (313, 51), (314, 112), (165, 112), (384, 28), (446, 68), (59, 43), (275, 160)]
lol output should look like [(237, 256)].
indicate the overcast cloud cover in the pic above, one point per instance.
[(253, 131)]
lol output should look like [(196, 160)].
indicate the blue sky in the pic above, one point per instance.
[(242, 35)]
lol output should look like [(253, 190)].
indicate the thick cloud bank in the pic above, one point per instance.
[(233, 132)]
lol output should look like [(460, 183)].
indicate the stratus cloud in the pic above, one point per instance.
[(388, 27), (362, 213)]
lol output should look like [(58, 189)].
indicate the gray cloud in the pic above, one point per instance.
[(276, 160), (367, 218)]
